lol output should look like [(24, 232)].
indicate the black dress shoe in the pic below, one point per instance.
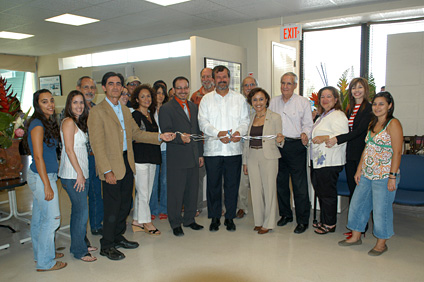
[(215, 223), (195, 226), (97, 232), (230, 224), (300, 228), (112, 254), (124, 243), (178, 231), (284, 220)]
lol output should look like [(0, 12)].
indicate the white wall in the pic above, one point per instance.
[(405, 79), (265, 38), (202, 47)]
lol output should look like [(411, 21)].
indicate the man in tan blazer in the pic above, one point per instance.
[(109, 124)]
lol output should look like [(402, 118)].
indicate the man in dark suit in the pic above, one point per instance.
[(183, 157), (112, 130)]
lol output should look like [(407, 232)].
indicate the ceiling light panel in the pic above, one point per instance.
[(167, 2), (71, 20), (14, 35)]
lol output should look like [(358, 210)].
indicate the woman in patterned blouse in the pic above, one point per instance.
[(377, 176)]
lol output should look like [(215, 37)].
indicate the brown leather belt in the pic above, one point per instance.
[(255, 147)]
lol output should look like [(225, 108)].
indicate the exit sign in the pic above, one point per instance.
[(291, 32)]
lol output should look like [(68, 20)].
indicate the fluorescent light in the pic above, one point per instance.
[(167, 2), (14, 35), (71, 20)]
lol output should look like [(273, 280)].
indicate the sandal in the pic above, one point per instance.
[(137, 228), (57, 266), (152, 232), (163, 216), (91, 249), (325, 229), (317, 225), (57, 256), (88, 258)]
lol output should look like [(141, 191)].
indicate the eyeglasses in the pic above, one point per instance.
[(181, 88), (127, 94), (134, 84), (251, 85), (89, 87)]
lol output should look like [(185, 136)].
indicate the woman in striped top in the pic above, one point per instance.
[(73, 171), (359, 115)]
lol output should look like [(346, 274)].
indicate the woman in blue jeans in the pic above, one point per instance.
[(41, 138), (377, 176), (159, 207), (73, 171)]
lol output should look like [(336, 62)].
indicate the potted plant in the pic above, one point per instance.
[(11, 132)]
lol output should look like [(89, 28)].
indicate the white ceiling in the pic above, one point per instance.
[(131, 20)]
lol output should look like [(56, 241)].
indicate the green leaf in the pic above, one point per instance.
[(5, 121), (5, 142)]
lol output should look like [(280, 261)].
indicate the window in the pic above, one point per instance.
[(138, 54), (23, 85), (378, 46), (328, 54)]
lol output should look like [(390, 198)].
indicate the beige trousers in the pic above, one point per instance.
[(263, 186)]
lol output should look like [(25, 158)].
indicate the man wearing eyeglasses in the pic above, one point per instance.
[(183, 157), (223, 118), (131, 84), (243, 197), (296, 115)]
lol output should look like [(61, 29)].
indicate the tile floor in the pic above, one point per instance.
[(226, 256)]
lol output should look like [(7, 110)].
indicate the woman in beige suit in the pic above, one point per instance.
[(260, 160)]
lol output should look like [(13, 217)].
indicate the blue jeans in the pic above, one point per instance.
[(95, 201), (372, 195), (156, 207), (45, 220), (79, 217)]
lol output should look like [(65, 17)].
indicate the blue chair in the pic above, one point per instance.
[(410, 190), (342, 187)]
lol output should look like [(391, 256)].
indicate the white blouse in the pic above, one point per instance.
[(66, 170)]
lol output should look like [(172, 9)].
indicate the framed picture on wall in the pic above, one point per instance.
[(235, 70), (52, 83)]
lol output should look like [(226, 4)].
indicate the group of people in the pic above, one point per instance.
[(238, 140)]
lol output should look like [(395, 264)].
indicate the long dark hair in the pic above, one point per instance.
[(389, 99), (81, 122), (352, 103), (51, 129), (134, 97), (156, 87)]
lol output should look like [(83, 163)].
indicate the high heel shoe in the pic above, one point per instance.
[(137, 228), (349, 234)]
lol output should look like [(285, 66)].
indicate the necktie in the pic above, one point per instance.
[(186, 110)]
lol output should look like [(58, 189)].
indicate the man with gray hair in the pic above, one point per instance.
[(296, 115), (248, 84), (87, 86), (208, 85)]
